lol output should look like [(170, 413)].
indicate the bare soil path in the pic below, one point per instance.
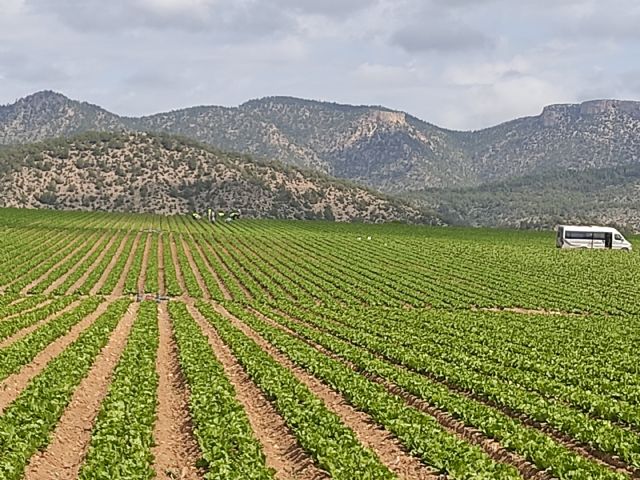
[(145, 261), (72, 435), (161, 287), (60, 280), (27, 330), (383, 443), (93, 266), (114, 260), (176, 450), (282, 451), (223, 288), (176, 263), (195, 270), (11, 387), (119, 288), (42, 277)]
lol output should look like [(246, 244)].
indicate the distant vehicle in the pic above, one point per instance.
[(574, 236)]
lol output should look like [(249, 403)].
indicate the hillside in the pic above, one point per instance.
[(386, 149), (592, 196), (139, 172)]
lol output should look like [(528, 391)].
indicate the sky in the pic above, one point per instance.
[(460, 64)]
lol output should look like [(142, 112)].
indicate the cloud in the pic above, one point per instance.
[(440, 38)]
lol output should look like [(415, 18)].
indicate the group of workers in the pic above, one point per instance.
[(217, 216)]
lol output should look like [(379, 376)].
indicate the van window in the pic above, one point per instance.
[(618, 237), (578, 235), (598, 235)]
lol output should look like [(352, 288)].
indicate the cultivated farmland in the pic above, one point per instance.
[(140, 346)]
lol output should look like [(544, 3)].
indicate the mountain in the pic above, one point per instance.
[(159, 173), (394, 152), (388, 150), (592, 196)]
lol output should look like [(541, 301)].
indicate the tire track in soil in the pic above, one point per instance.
[(176, 450), (93, 266), (23, 332), (221, 285), (196, 272), (176, 263), (590, 453), (161, 288), (11, 387), (114, 260), (119, 288), (383, 443), (60, 280), (145, 262), (281, 448), (40, 279), (70, 440)]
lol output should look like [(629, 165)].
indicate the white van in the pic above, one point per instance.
[(573, 236)]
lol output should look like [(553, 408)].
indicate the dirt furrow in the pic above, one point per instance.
[(114, 260), (223, 288), (282, 450), (118, 289), (196, 272), (28, 310), (11, 387), (382, 442), (71, 437), (145, 261), (585, 450), (176, 450), (38, 280), (27, 330), (161, 288), (212, 249), (447, 421), (581, 449), (93, 266), (60, 280), (176, 263)]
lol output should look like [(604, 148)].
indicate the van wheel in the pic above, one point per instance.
[(626, 250)]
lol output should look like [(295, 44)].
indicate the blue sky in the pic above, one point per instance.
[(463, 64)]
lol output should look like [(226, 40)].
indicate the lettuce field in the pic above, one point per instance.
[(141, 346)]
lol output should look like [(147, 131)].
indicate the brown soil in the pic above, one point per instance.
[(27, 330), (59, 281), (57, 242), (26, 289), (11, 387), (28, 310), (176, 450), (161, 288), (223, 288), (89, 270), (196, 272), (71, 437), (176, 263), (101, 281), (526, 468), (448, 422), (212, 249), (281, 448), (118, 289), (383, 443), (145, 262)]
